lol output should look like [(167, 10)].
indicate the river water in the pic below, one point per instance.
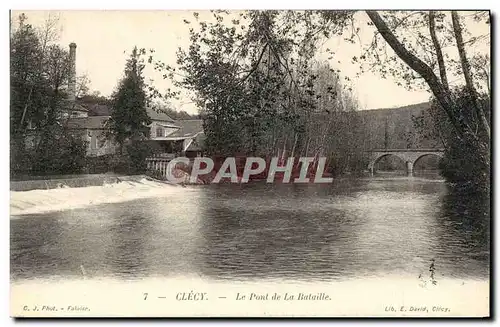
[(350, 229)]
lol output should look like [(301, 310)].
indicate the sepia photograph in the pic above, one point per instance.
[(250, 163)]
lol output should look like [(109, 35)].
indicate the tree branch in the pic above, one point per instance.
[(467, 74), (437, 46), (442, 95), (254, 68)]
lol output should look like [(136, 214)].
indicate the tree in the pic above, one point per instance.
[(39, 73), (82, 86), (129, 119), (252, 76), (471, 131), (27, 85), (95, 98), (38, 69), (258, 87), (438, 86), (129, 123)]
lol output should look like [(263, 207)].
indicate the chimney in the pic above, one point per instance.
[(72, 72)]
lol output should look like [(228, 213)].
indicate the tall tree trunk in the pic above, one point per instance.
[(307, 146), (284, 149), (442, 95), (25, 108), (294, 145), (457, 29), (437, 46), (488, 82)]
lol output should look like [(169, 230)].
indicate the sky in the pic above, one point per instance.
[(105, 38)]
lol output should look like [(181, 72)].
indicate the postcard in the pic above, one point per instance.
[(260, 163)]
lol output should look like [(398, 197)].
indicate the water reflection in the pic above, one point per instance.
[(349, 229), (464, 225), (34, 251), (267, 244), (129, 233)]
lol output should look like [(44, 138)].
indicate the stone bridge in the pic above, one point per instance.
[(409, 156)]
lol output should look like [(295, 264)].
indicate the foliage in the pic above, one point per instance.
[(129, 119), (428, 48), (464, 163), (63, 153), (179, 115), (162, 106), (137, 154), (131, 161), (258, 86), (254, 79), (94, 98), (39, 71)]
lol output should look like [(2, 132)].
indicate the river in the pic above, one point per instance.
[(348, 230)]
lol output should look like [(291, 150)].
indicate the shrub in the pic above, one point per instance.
[(59, 154)]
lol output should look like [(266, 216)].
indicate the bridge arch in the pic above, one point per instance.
[(409, 156), (423, 155), (377, 158)]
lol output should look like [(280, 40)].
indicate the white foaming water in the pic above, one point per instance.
[(40, 201)]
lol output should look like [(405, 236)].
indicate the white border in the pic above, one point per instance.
[(190, 4), (292, 4)]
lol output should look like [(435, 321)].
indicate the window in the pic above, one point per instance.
[(93, 142), (159, 131), (101, 141), (170, 130)]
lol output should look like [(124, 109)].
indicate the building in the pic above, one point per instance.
[(93, 130), (176, 137), (168, 137)]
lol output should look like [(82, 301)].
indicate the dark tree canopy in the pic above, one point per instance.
[(129, 118)]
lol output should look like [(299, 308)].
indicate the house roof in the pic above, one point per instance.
[(168, 124), (188, 128), (74, 106), (105, 110), (92, 122), (158, 114), (99, 110)]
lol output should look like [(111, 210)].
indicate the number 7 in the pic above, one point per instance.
[(145, 296)]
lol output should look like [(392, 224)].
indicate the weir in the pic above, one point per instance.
[(63, 198), (72, 181)]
